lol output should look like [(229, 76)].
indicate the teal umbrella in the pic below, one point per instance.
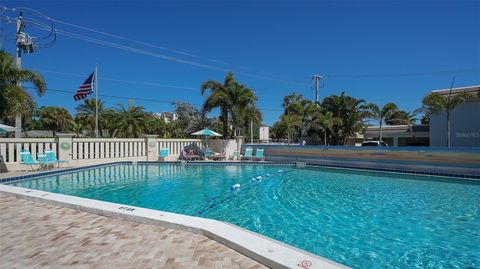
[(206, 132)]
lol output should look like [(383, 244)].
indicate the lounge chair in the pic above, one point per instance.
[(218, 156), (188, 155), (44, 162), (248, 153), (164, 153), (28, 160), (235, 155), (259, 154), (51, 157)]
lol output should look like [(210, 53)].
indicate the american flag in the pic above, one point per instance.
[(85, 89)]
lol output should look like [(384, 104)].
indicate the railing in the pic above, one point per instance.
[(175, 146), (10, 147), (68, 148), (92, 148)]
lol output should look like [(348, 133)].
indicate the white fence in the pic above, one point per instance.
[(175, 147), (92, 148), (10, 147), (68, 148)]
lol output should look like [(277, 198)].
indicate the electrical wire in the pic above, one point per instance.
[(172, 102), (123, 80), (144, 52)]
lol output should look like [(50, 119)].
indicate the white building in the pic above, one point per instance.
[(168, 117), (464, 121)]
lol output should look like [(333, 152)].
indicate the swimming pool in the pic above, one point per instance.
[(361, 219)]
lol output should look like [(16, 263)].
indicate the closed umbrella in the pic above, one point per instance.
[(5, 128)]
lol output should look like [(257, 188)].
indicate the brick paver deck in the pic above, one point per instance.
[(38, 235)]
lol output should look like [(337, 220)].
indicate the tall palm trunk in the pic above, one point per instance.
[(448, 128), (380, 133), (224, 113), (18, 126), (325, 136)]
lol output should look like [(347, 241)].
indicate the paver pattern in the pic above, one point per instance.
[(39, 235)]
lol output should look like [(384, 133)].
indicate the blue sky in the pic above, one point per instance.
[(274, 47)]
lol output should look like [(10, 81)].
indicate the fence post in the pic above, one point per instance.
[(239, 140), (151, 147), (64, 146)]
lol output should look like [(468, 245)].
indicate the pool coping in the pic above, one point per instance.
[(265, 250)]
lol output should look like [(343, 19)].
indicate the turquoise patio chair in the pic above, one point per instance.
[(44, 162), (163, 153), (235, 155), (51, 157), (259, 154), (28, 160), (207, 154), (248, 153)]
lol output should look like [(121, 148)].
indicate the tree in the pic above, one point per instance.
[(278, 130), (219, 98), (233, 99), (401, 117), (243, 107), (54, 118), (15, 101), (434, 103), (380, 114), (130, 121), (77, 127), (350, 110), (292, 125), (86, 114), (156, 126), (327, 121), (295, 105), (189, 120)]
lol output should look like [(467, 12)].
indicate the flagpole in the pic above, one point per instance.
[(96, 101)]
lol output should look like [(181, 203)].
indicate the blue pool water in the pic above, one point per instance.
[(361, 219)]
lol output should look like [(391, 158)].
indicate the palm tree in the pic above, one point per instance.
[(77, 127), (219, 97), (401, 117), (86, 113), (231, 97), (350, 110), (130, 121), (292, 124), (15, 101), (243, 104), (327, 121), (434, 103), (381, 114), (55, 118)]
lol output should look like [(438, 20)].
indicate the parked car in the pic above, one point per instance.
[(374, 144)]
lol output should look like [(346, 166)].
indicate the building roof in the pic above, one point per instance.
[(417, 130), (475, 90)]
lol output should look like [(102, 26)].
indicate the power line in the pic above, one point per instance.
[(172, 102), (140, 51), (409, 74), (122, 80)]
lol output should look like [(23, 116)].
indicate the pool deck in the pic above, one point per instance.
[(39, 235)]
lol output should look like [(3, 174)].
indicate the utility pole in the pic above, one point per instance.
[(18, 63), (317, 78), (96, 102)]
